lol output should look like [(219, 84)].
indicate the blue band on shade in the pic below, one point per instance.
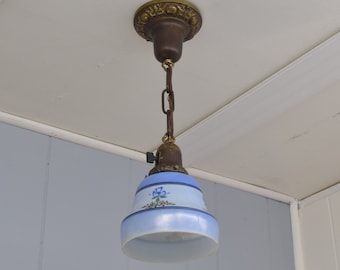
[(169, 207)]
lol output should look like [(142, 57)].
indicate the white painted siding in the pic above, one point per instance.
[(23, 158), (320, 227)]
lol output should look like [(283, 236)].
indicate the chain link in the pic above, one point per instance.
[(169, 135)]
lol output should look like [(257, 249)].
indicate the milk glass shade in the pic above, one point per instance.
[(169, 221)]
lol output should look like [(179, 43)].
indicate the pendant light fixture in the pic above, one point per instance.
[(169, 220)]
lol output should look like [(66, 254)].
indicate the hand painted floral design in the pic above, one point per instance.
[(158, 194)]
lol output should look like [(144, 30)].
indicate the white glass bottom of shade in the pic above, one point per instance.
[(169, 234)]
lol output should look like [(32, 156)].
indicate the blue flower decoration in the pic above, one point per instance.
[(159, 192)]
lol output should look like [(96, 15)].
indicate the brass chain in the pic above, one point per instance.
[(169, 135)]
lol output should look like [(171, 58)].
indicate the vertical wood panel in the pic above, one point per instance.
[(281, 242), (317, 236), (334, 201), (86, 202), (22, 176), (244, 240)]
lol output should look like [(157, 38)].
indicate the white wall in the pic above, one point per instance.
[(320, 228), (61, 205)]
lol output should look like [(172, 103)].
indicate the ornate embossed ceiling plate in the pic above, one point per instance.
[(167, 24)]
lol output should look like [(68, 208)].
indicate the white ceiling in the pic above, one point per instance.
[(257, 90)]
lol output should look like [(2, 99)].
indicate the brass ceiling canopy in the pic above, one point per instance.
[(167, 24)]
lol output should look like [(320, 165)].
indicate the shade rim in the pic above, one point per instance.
[(201, 225)]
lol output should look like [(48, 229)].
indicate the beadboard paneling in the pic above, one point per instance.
[(334, 202), (23, 169), (320, 227)]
